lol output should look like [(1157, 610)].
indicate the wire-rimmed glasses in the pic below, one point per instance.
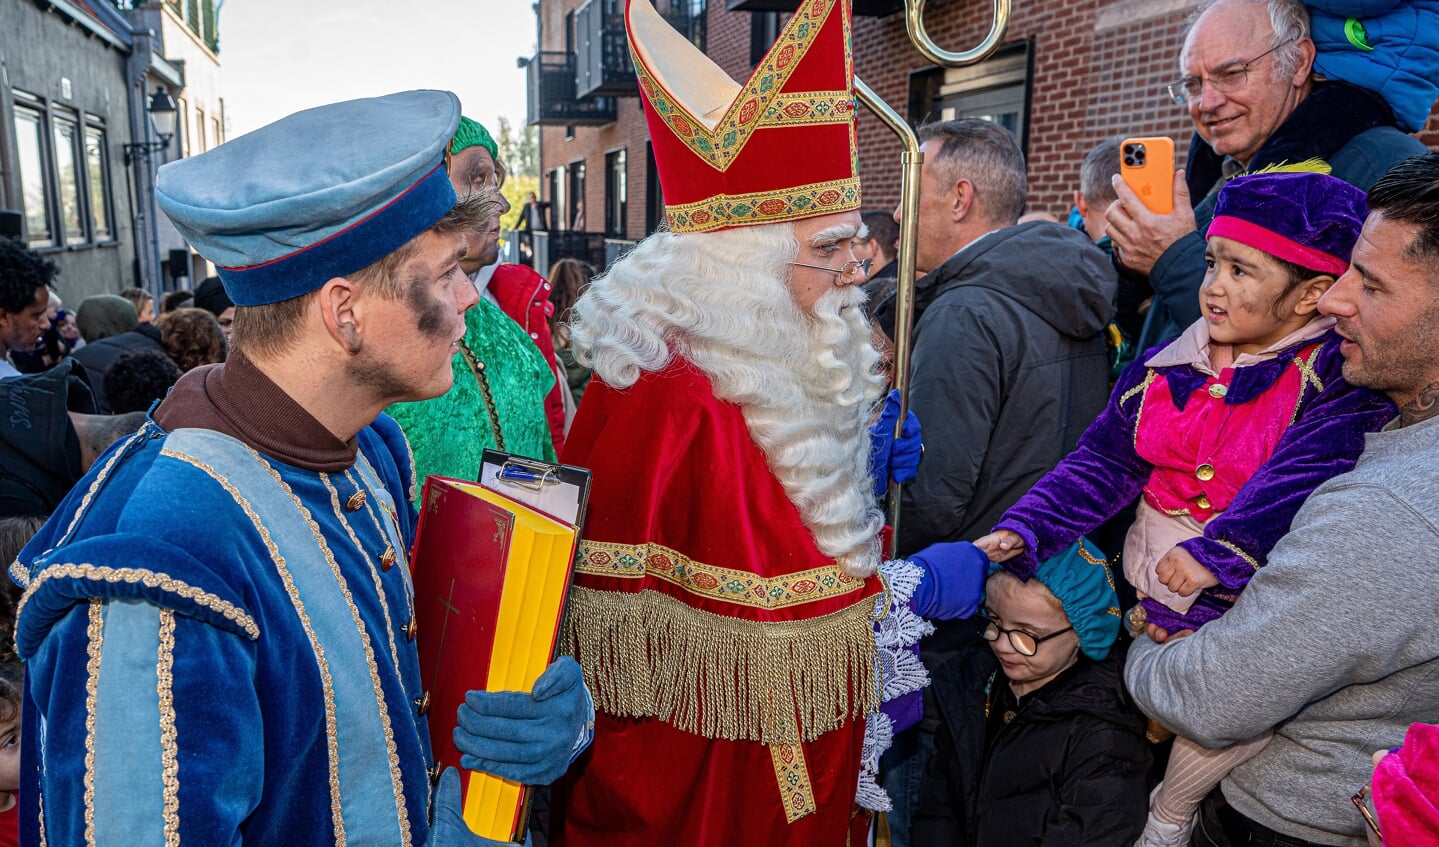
[(1229, 79), (849, 271)]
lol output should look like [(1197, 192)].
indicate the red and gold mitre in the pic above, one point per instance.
[(779, 148)]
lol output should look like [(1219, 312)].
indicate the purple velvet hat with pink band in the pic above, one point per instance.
[(1309, 219)]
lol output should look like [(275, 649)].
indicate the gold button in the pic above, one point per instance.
[(423, 704), (1204, 472), (1202, 502), (387, 558), (355, 502), (1218, 390), (1009, 715), (410, 628)]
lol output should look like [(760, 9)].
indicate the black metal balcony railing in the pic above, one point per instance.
[(553, 100), (602, 53), (870, 8), (550, 247)]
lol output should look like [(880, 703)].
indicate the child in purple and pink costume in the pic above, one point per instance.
[(1224, 432)]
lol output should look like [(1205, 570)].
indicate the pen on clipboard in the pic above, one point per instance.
[(524, 476)]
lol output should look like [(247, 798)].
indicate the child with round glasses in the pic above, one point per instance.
[(1222, 434), (1039, 744)]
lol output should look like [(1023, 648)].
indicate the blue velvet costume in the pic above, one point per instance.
[(220, 649)]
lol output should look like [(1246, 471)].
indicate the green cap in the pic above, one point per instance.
[(468, 134)]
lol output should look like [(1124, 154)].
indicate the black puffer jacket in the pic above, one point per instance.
[(1066, 765), (1009, 368)]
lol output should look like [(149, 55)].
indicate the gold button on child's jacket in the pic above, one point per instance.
[(387, 558), (1202, 502), (1218, 390), (355, 502), (1204, 472)]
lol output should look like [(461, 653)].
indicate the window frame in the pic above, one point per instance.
[(52, 121), (616, 192), (35, 113)]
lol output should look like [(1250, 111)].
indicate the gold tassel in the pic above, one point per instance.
[(649, 655)]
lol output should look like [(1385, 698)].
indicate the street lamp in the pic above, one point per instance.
[(162, 120)]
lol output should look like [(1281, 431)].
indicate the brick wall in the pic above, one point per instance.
[(1099, 69)]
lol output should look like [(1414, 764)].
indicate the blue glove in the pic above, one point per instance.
[(449, 828), (528, 738), (890, 457), (953, 584)]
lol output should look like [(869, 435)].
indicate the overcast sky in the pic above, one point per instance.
[(280, 56)]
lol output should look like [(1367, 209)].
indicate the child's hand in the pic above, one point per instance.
[(1183, 574), (1001, 545), (1161, 635)]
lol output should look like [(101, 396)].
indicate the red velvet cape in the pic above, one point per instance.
[(683, 506)]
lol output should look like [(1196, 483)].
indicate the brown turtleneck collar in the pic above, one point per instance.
[(237, 399)]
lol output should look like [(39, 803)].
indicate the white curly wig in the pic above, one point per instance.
[(806, 382)]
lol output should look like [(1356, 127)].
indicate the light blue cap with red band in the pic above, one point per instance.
[(316, 195)]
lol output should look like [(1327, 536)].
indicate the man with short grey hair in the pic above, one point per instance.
[(1009, 363), (1247, 80)]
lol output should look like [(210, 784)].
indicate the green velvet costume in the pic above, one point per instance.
[(448, 434)]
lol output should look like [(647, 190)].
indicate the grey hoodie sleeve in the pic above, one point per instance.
[(1339, 604), (957, 388)]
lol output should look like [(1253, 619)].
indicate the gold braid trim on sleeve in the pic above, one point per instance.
[(1235, 549), (646, 654)]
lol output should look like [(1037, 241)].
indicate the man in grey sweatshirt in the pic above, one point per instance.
[(1335, 643)]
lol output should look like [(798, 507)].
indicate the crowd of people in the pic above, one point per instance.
[(1166, 562)]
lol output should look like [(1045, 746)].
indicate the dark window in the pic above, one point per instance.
[(654, 198), (616, 194), (35, 190), (558, 205), (577, 197), (763, 30)]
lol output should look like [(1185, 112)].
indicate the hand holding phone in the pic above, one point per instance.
[(1147, 166)]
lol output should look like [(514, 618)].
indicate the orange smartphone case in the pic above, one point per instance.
[(1147, 167)]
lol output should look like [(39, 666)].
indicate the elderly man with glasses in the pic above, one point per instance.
[(1248, 82)]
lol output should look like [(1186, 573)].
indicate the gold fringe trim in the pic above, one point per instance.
[(649, 655)]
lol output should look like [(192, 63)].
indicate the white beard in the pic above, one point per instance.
[(806, 383)]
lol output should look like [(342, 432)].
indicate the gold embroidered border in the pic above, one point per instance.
[(20, 574), (1141, 389), (725, 210), (149, 579), (1307, 377), (791, 773), (811, 108), (721, 146), (94, 637), (332, 745), (95, 485), (646, 654), (169, 750), (1108, 574), (1235, 549), (396, 781), (636, 561)]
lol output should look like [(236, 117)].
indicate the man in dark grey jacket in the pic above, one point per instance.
[(1009, 362), (1009, 366)]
